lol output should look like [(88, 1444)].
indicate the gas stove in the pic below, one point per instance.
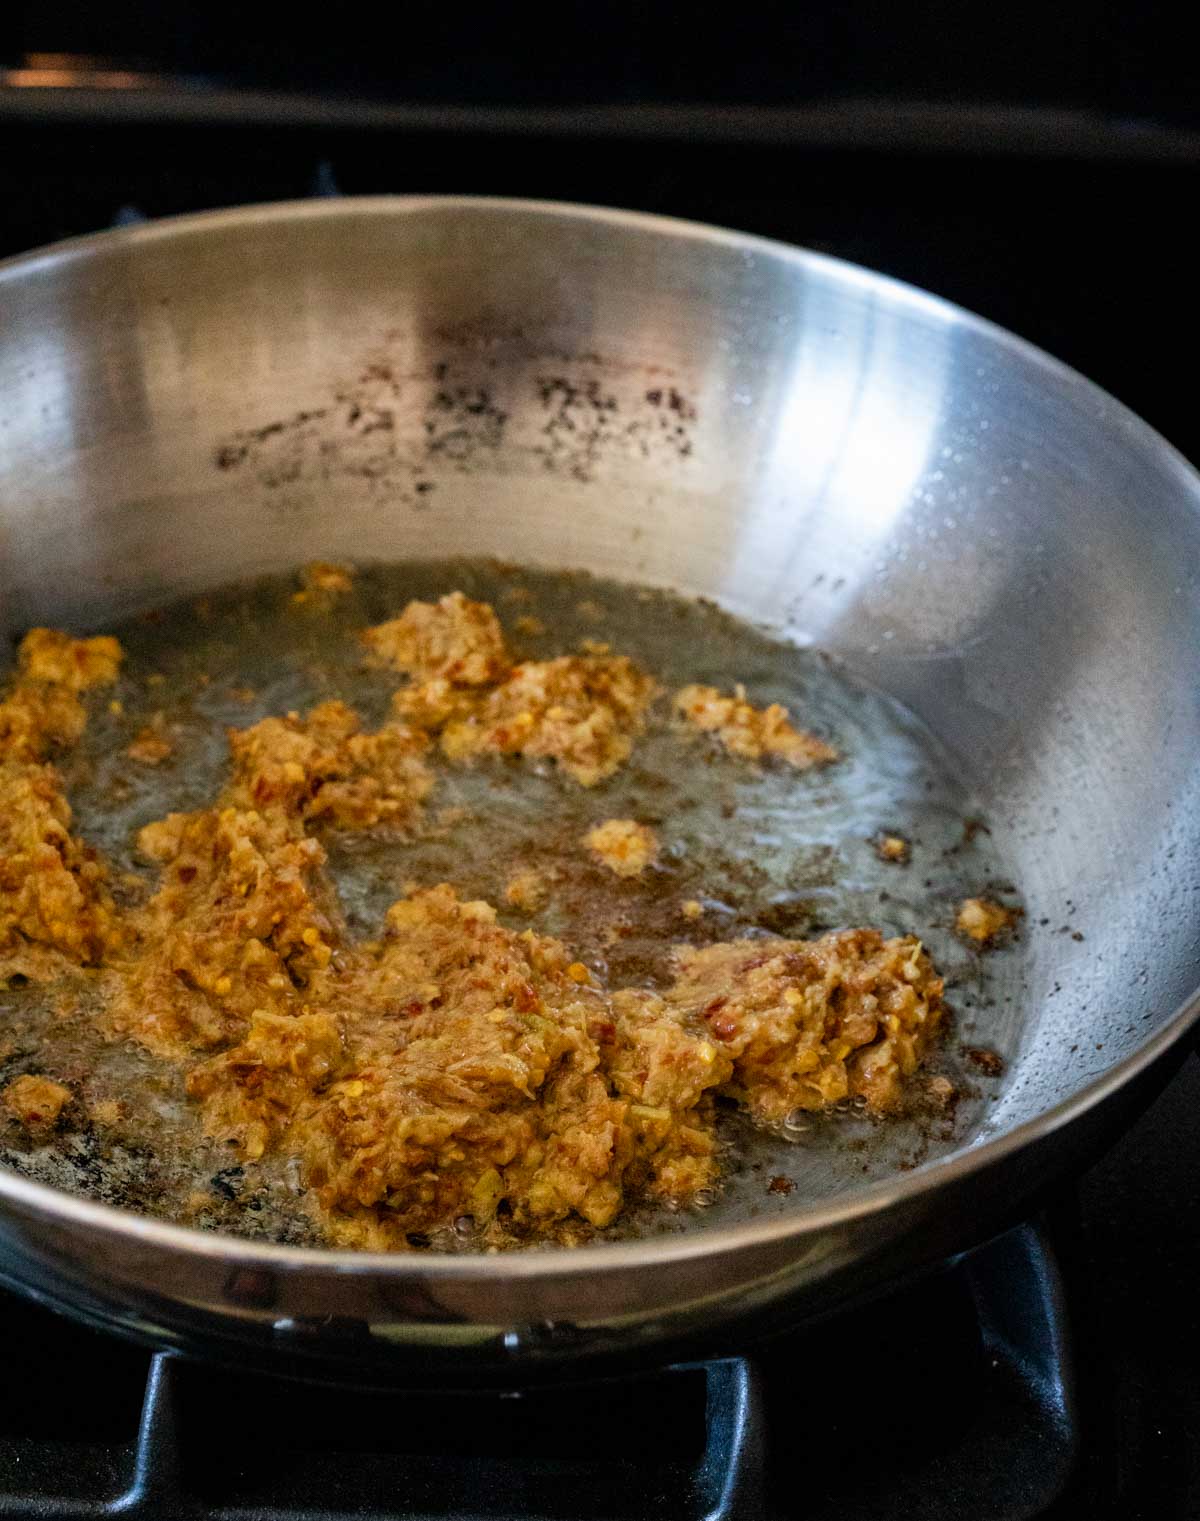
[(1049, 1374)]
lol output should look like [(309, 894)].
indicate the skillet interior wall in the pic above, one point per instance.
[(841, 459)]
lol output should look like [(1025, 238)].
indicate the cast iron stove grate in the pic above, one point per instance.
[(952, 1398)]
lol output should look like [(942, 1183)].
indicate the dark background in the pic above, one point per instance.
[(1124, 59)]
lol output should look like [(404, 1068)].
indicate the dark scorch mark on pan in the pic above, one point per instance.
[(403, 427), (586, 420), (229, 456)]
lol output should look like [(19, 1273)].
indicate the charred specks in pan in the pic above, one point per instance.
[(581, 423), (234, 453), (587, 423), (676, 416), (259, 435), (461, 421), (398, 425), (674, 401), (377, 420)]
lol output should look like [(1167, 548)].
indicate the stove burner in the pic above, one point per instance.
[(953, 1398)]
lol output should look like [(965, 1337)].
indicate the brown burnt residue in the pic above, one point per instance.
[(234, 453), (588, 424), (402, 425), (675, 417), (581, 423), (462, 418), (990, 1063), (357, 435), (674, 401)]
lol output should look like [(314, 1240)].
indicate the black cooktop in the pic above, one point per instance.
[(1051, 1375)]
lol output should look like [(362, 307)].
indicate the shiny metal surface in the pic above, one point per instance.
[(964, 521)]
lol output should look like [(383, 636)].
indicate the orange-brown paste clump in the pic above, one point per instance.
[(452, 1072)]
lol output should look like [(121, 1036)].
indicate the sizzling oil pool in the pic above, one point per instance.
[(765, 851)]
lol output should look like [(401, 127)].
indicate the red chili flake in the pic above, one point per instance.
[(725, 1027), (780, 1185), (525, 999), (602, 1031), (714, 1007)]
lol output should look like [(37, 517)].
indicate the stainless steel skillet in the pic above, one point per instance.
[(965, 522)]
